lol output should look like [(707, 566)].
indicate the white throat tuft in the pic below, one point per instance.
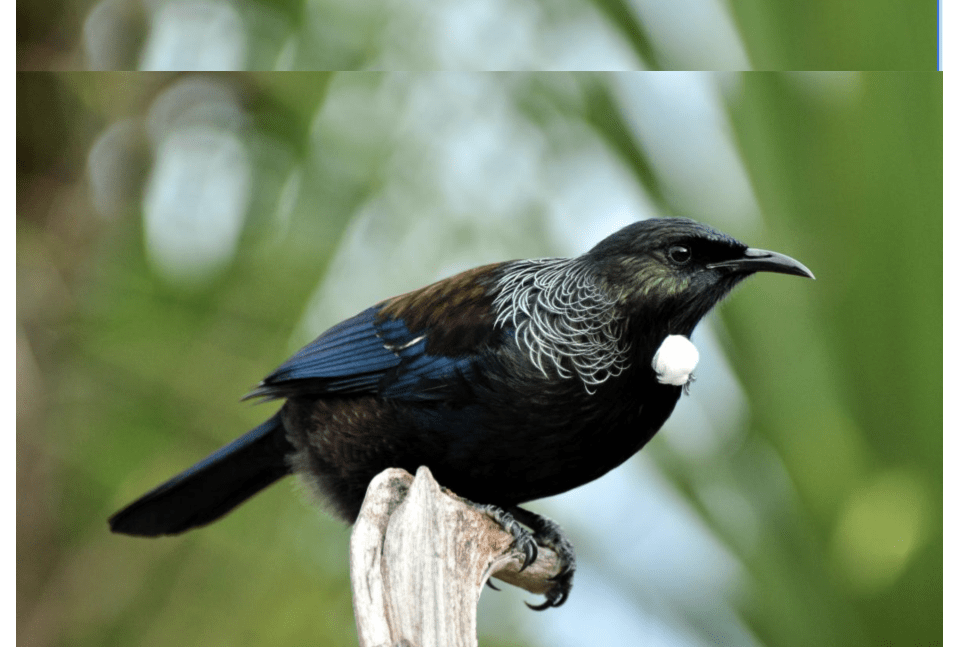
[(675, 360)]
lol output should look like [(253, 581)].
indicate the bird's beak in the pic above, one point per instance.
[(760, 260)]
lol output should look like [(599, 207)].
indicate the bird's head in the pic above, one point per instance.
[(670, 272)]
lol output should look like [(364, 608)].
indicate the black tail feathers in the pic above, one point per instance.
[(212, 487)]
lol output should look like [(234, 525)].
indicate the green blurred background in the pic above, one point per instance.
[(481, 34), (178, 235)]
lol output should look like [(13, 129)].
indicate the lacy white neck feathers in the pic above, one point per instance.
[(562, 319)]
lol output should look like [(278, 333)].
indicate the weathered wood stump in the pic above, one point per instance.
[(419, 558)]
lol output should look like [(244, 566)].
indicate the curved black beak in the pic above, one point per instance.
[(761, 260)]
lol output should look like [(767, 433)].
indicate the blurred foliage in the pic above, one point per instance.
[(863, 189), (832, 501), (491, 34), (823, 35)]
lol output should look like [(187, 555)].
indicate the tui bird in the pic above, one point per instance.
[(511, 382)]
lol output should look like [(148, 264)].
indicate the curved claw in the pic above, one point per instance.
[(549, 534), (557, 595), (492, 586), (522, 538), (530, 550), (546, 532)]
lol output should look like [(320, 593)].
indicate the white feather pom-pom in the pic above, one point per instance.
[(675, 360)]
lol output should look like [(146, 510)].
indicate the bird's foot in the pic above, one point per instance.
[(547, 533), (522, 538)]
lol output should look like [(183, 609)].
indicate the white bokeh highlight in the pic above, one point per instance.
[(195, 203)]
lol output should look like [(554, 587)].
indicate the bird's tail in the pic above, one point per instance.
[(212, 487)]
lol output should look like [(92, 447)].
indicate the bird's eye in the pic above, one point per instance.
[(680, 254)]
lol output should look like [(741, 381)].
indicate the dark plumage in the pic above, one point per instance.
[(512, 382)]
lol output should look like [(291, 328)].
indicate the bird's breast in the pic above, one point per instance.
[(527, 439)]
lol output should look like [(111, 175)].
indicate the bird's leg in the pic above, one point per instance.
[(548, 533)]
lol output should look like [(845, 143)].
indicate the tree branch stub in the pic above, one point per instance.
[(419, 559)]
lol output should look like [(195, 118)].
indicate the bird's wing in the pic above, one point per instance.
[(348, 358), (411, 347)]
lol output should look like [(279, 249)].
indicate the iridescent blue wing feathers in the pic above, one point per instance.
[(348, 358), (412, 347)]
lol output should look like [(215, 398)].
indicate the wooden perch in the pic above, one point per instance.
[(419, 558)]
